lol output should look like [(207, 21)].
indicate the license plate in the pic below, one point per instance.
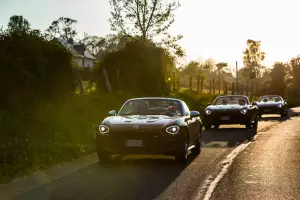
[(225, 118), (134, 143), (267, 110)]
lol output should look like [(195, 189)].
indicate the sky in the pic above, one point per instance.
[(215, 29)]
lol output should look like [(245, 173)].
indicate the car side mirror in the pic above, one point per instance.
[(194, 114), (254, 103), (286, 101), (112, 112)]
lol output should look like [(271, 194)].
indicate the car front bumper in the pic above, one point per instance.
[(226, 118), (270, 110), (140, 144)]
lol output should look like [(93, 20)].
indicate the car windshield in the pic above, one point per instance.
[(233, 100), (152, 107), (269, 99)]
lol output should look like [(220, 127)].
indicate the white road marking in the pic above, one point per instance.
[(225, 167), (210, 185), (251, 182)]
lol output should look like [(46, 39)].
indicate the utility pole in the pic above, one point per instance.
[(237, 77)]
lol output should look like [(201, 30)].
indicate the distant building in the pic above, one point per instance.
[(81, 55)]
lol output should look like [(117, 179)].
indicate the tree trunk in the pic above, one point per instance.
[(80, 86), (118, 80), (106, 80)]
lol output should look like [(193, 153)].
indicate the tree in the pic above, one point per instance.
[(62, 28), (148, 19), (94, 43), (32, 69), (295, 71), (18, 25), (278, 78), (208, 65), (191, 70), (221, 68), (139, 68), (252, 58)]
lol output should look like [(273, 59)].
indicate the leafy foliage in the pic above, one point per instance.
[(62, 28), (139, 68), (94, 43), (32, 68), (221, 68), (148, 19), (252, 59), (295, 71), (278, 73)]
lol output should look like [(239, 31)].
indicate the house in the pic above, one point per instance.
[(81, 55)]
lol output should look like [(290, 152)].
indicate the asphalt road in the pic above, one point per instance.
[(268, 169), (160, 178)]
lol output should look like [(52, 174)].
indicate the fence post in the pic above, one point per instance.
[(232, 92), (213, 85), (247, 90), (225, 87), (178, 85), (202, 83), (198, 83), (190, 83), (251, 92), (209, 86), (219, 83), (242, 89)]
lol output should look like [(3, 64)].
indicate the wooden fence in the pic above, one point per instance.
[(219, 86)]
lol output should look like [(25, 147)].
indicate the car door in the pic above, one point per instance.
[(191, 123)]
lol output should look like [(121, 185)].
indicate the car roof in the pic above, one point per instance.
[(270, 95), (161, 98), (233, 96)]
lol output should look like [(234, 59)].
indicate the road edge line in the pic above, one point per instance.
[(225, 164)]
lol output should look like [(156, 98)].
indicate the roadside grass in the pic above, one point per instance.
[(54, 134)]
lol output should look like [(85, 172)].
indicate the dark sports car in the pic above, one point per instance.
[(231, 109), (272, 104), (150, 126)]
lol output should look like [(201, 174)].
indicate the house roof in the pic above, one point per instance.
[(86, 54)]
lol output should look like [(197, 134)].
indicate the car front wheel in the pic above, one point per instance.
[(207, 126), (104, 157), (198, 145), (284, 114), (182, 156), (248, 124)]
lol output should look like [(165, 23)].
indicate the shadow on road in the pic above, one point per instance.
[(138, 177), (292, 113), (229, 137)]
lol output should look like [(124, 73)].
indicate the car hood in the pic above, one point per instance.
[(141, 120), (225, 107)]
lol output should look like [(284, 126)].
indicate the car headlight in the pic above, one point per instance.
[(173, 130), (208, 112), (103, 129), (280, 106), (244, 111)]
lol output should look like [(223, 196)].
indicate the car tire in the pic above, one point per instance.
[(181, 157), (198, 146), (284, 114), (104, 157), (248, 125), (255, 124), (217, 126), (207, 126)]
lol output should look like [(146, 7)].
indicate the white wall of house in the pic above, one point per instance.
[(88, 62), (79, 61)]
